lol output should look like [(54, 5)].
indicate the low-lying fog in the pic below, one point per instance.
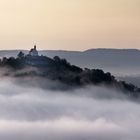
[(93, 113)]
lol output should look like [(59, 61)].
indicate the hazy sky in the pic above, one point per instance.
[(69, 24)]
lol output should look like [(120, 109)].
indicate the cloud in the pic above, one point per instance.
[(28, 112)]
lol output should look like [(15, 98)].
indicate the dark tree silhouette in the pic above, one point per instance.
[(20, 54)]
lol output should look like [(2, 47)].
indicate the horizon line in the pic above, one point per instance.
[(72, 50)]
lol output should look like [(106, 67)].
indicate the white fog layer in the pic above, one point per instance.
[(93, 113)]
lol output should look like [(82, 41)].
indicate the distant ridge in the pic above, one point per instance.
[(112, 50)]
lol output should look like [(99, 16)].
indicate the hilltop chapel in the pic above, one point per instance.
[(33, 51)]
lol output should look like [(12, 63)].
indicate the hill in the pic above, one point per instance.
[(57, 69), (117, 61)]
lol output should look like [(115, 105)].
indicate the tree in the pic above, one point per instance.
[(57, 58), (20, 54)]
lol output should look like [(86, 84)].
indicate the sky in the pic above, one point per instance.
[(69, 24)]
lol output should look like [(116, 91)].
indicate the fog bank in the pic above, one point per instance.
[(33, 113)]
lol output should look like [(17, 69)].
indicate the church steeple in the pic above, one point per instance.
[(34, 47)]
